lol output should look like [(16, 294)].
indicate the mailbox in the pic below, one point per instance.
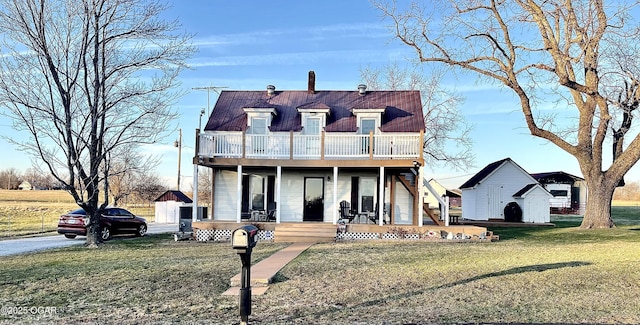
[(244, 237), (243, 240)]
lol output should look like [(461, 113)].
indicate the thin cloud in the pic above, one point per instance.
[(316, 33), (294, 58)]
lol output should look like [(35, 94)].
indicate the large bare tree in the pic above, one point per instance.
[(578, 55), (84, 78), (446, 136)]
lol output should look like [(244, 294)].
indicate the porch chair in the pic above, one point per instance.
[(346, 212), (374, 217), (271, 211)]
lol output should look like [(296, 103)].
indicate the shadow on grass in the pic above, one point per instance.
[(515, 270)]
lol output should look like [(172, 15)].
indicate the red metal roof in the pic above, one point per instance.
[(403, 109)]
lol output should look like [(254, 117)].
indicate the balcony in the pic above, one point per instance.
[(295, 146)]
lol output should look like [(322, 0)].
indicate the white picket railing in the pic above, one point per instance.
[(297, 146)]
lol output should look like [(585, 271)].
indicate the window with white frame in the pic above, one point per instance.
[(258, 125), (367, 125), (313, 125)]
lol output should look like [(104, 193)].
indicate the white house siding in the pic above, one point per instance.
[(403, 209), (488, 199), (226, 184), (291, 194)]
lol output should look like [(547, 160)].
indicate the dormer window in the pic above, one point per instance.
[(259, 117), (258, 125), (369, 117), (314, 117), (313, 125), (368, 125)]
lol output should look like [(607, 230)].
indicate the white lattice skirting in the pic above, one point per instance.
[(225, 235)]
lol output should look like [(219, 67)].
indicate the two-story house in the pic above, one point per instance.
[(293, 156)]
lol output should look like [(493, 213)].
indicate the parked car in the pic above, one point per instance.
[(112, 221)]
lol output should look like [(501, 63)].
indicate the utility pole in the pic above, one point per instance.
[(178, 144)]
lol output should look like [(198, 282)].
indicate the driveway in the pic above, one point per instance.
[(32, 244)]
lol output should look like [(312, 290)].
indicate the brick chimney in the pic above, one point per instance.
[(312, 82)]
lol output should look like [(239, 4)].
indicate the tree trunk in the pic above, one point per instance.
[(93, 231), (598, 212)]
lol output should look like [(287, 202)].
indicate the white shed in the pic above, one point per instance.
[(486, 195), (534, 202), (168, 206)]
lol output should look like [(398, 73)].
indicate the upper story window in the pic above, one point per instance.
[(258, 125), (367, 125), (313, 125), (259, 118), (369, 119), (314, 117)]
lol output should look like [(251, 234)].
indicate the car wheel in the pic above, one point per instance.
[(141, 230), (105, 233), (70, 236)]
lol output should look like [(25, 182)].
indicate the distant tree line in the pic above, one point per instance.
[(130, 186), (629, 192)]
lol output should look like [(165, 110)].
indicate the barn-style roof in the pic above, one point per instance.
[(402, 109), (173, 195)]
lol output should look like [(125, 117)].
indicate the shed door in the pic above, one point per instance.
[(495, 206)]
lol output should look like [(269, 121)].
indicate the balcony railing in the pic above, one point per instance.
[(296, 146)]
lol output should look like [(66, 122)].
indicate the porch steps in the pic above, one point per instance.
[(435, 216), (410, 186), (304, 232)]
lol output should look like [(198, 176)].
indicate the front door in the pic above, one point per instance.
[(313, 199)]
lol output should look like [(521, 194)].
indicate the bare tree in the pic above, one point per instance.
[(84, 78), (10, 178), (446, 134), (205, 186), (560, 52), (126, 167), (148, 187)]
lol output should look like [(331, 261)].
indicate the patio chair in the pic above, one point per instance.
[(346, 212), (374, 217), (271, 211)]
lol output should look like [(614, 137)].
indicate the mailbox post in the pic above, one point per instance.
[(243, 240)]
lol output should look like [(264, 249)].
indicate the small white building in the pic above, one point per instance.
[(168, 206), (534, 201), (504, 191)]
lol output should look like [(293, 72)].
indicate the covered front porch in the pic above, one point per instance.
[(328, 232)]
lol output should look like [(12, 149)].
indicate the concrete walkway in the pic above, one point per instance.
[(263, 272)]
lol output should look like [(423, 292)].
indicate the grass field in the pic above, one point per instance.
[(541, 275), (35, 212)]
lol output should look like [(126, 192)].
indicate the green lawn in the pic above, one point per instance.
[(532, 275)]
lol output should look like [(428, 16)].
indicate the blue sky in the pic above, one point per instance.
[(248, 45)]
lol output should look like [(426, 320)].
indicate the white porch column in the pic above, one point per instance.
[(420, 195), (381, 198), (239, 196), (194, 212), (335, 195), (278, 186)]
